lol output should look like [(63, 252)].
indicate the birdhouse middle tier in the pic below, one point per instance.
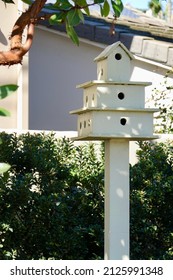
[(106, 94)]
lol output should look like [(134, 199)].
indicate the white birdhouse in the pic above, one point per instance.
[(114, 63), (114, 106), (114, 110)]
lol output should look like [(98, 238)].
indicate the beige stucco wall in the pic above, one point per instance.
[(56, 66), (17, 103), (8, 74), (144, 70)]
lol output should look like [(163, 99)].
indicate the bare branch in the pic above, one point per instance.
[(27, 20)]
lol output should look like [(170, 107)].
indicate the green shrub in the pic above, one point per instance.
[(151, 203), (52, 200)]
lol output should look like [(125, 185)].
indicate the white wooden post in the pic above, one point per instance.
[(116, 199)]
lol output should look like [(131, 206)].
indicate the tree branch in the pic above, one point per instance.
[(27, 20)]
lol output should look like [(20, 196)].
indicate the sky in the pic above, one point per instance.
[(142, 4), (139, 4)]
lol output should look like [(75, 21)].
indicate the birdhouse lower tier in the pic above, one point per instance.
[(118, 123)]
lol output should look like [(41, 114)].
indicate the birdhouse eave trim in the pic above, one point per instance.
[(118, 137), (118, 109), (107, 83), (108, 50)]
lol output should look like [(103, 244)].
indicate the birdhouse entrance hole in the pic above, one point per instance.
[(118, 56), (123, 121), (121, 95), (86, 101), (85, 124), (93, 100)]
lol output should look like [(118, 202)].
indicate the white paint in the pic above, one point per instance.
[(114, 61), (116, 200), (107, 95), (20, 99), (107, 123), (100, 118)]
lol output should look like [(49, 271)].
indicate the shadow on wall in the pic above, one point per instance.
[(3, 39)]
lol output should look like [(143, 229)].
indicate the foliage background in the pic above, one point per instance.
[(52, 200)]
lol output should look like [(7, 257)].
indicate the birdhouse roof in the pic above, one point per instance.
[(107, 51)]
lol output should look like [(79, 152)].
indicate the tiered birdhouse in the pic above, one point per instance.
[(114, 106)]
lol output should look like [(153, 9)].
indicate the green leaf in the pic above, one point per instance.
[(84, 5), (81, 3), (4, 113), (87, 11), (156, 2), (106, 9), (117, 6), (4, 167), (7, 90), (8, 2), (101, 10), (63, 5), (72, 33), (73, 17), (80, 14), (98, 1), (29, 2), (57, 18)]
